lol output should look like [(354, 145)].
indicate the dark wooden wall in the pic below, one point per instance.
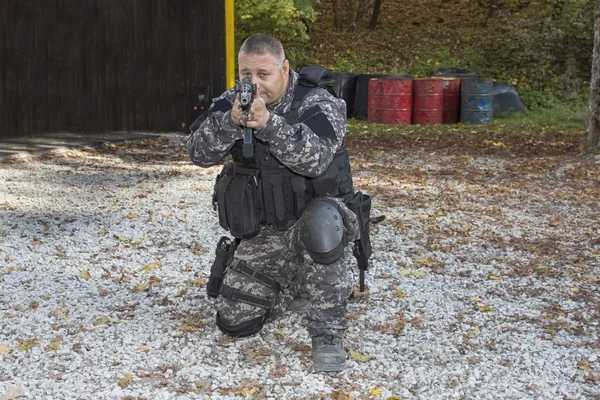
[(108, 65)]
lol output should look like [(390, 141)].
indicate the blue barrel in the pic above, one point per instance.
[(476, 100)]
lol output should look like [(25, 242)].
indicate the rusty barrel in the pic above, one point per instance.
[(390, 101), (451, 106), (361, 98), (428, 101), (476, 100), (374, 100)]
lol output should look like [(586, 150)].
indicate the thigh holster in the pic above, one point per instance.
[(267, 303)]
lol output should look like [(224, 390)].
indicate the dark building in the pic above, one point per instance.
[(108, 65)]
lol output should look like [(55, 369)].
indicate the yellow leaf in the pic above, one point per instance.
[(278, 336), (477, 299), (27, 345), (142, 287), (53, 346), (375, 391), (145, 349), (85, 274), (101, 320), (102, 231), (484, 308), (5, 349), (151, 265), (130, 216), (405, 272), (542, 268), (423, 261), (400, 293), (197, 282), (419, 274), (188, 328), (495, 277), (360, 357), (125, 380)]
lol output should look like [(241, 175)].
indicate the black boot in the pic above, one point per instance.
[(328, 353)]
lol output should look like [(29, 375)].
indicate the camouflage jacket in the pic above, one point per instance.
[(306, 148)]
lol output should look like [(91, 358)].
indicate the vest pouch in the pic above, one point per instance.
[(301, 194), (239, 203)]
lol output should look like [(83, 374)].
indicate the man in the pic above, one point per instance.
[(285, 204)]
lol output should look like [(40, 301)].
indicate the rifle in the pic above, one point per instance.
[(360, 205), (247, 90)]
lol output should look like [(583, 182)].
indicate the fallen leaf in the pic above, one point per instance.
[(151, 266), (145, 349), (85, 274), (375, 391), (142, 287), (400, 293), (101, 320), (419, 274), (13, 393), (188, 328), (278, 336), (53, 346), (484, 308), (5, 349), (360, 357), (29, 344), (125, 380)]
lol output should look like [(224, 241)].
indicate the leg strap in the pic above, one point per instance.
[(241, 267), (237, 295)]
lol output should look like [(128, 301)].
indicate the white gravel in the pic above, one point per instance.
[(452, 312)]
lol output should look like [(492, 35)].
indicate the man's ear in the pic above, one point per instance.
[(285, 69)]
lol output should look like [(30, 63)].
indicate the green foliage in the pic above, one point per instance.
[(285, 19), (568, 116)]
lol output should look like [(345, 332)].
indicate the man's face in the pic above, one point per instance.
[(271, 79)]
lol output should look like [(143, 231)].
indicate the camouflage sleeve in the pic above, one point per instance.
[(308, 147), (216, 134)]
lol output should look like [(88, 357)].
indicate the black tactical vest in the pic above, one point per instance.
[(263, 191)]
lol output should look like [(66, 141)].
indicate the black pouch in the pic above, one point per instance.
[(224, 254), (238, 198), (360, 204)]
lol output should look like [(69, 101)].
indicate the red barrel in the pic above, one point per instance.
[(390, 101), (451, 107), (374, 100), (397, 101), (428, 98)]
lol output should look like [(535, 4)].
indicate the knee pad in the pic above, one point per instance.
[(244, 329), (321, 230)]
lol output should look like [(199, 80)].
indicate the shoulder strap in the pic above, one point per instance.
[(309, 78)]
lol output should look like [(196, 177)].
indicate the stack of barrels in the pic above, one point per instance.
[(426, 101)]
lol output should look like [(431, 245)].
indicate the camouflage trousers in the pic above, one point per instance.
[(281, 255)]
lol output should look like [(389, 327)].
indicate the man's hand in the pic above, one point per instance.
[(256, 118)]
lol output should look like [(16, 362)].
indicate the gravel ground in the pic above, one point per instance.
[(484, 282)]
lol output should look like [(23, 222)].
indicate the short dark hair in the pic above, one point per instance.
[(262, 43)]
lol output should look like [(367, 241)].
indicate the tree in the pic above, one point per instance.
[(593, 128), (375, 15)]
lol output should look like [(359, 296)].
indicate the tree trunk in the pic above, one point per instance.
[(360, 12), (593, 128), (337, 24), (375, 15)]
